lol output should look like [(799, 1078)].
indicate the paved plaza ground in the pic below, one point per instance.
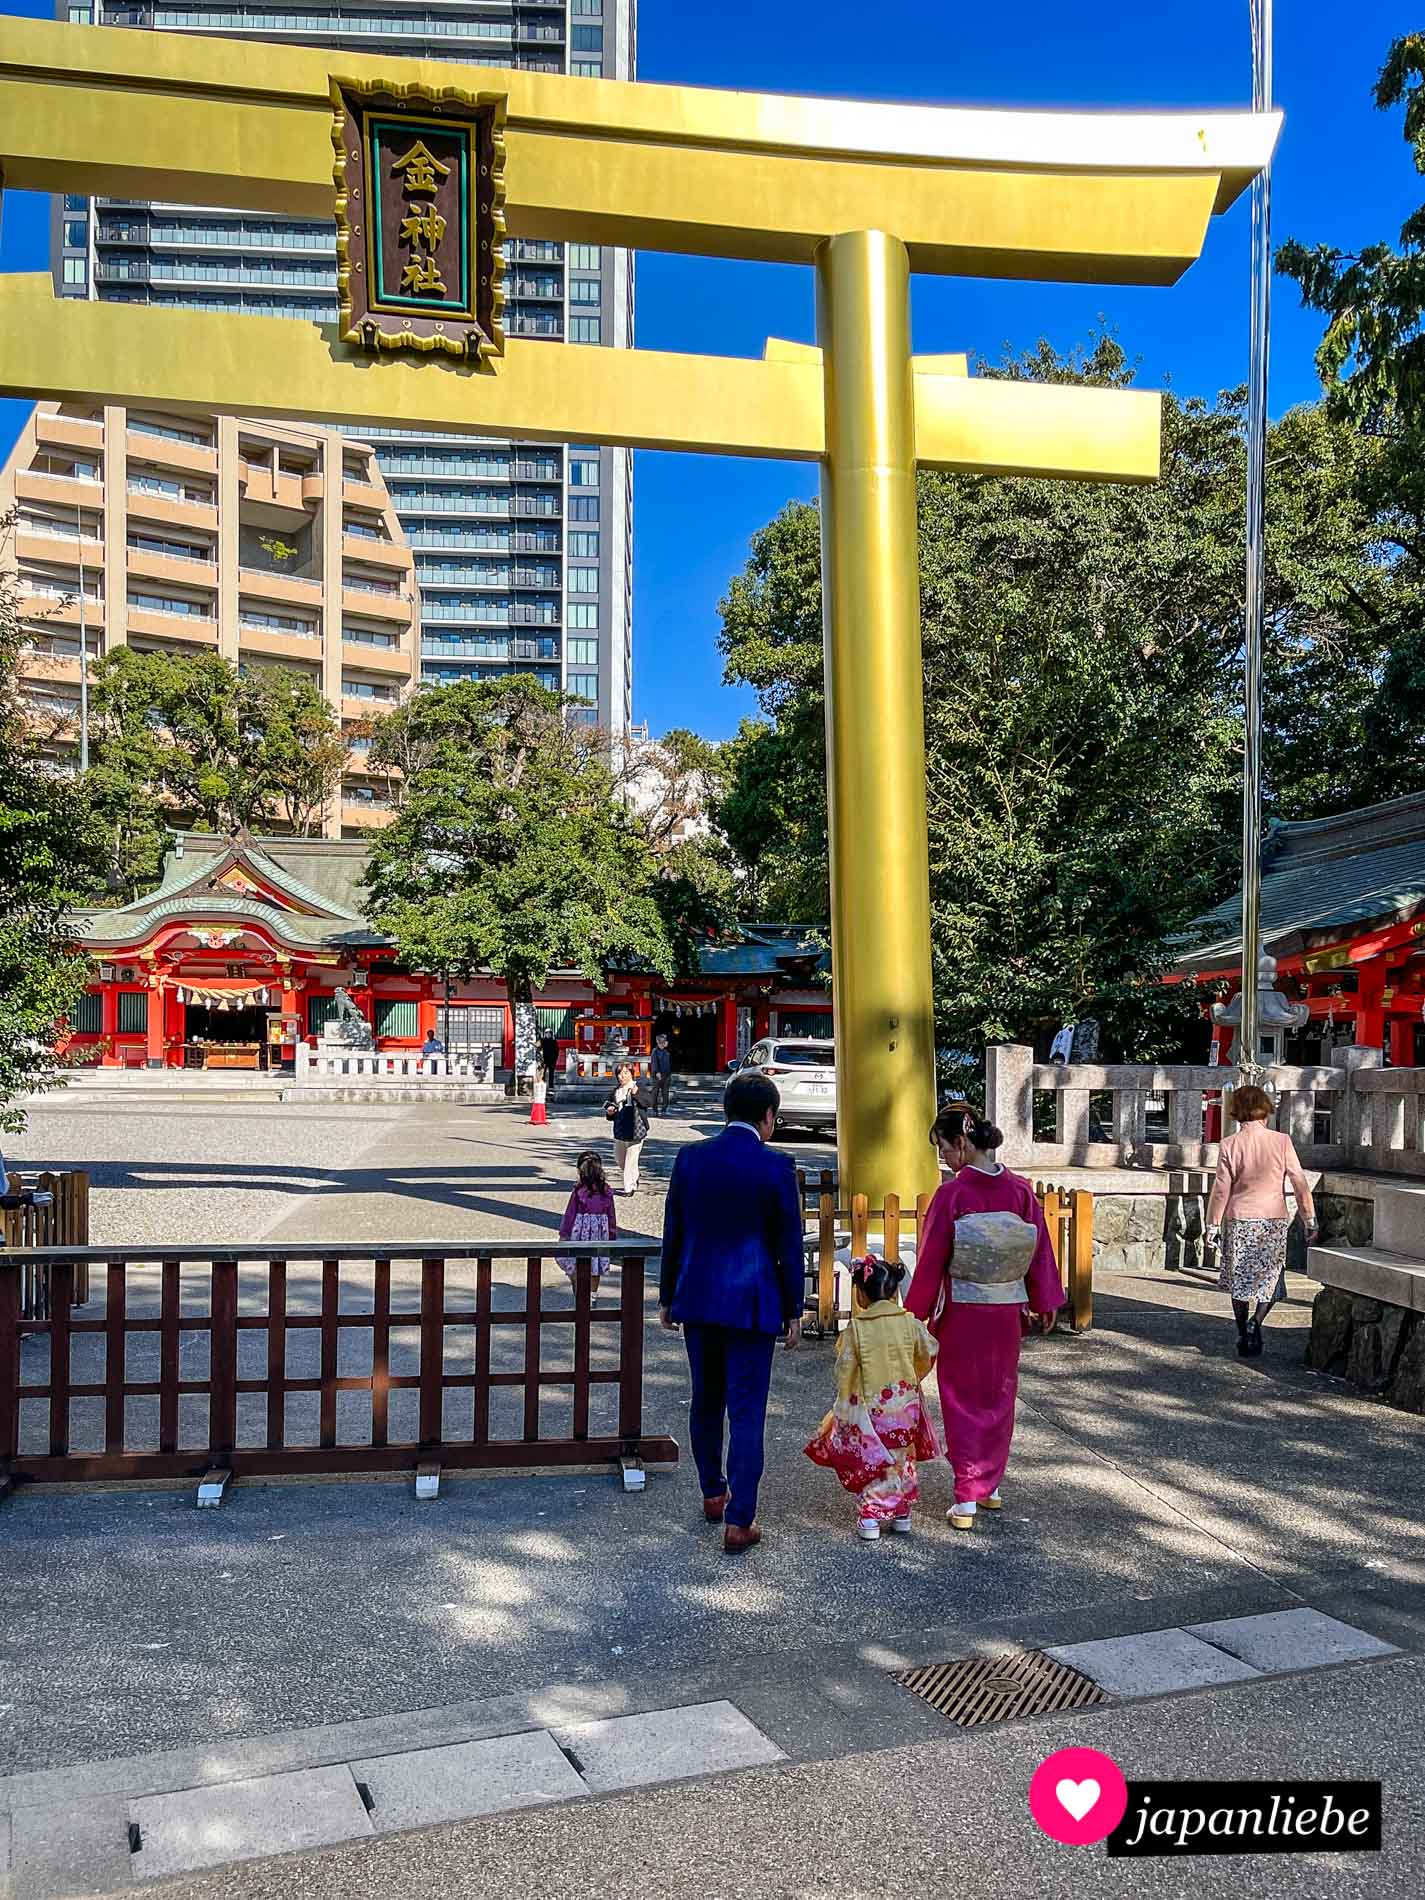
[(1157, 1483)]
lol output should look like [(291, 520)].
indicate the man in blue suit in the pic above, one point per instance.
[(733, 1278)]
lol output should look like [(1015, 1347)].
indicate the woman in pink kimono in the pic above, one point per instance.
[(984, 1276)]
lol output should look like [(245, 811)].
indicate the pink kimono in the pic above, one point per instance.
[(979, 1321)]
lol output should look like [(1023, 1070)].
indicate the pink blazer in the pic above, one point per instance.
[(1253, 1167)]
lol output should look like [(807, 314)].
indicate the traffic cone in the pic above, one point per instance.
[(537, 1115)]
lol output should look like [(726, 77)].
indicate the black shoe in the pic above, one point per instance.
[(1254, 1339), (1244, 1346)]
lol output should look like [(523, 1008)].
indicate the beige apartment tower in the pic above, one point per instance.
[(271, 544)]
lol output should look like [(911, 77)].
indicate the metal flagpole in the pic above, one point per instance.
[(1248, 1047), (83, 651)]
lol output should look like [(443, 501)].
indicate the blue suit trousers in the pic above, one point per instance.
[(732, 1373)]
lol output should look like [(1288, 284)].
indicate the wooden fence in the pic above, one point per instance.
[(197, 1354), (1068, 1214), (64, 1223)]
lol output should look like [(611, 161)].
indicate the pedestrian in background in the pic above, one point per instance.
[(662, 1075), (1247, 1218), (626, 1109)]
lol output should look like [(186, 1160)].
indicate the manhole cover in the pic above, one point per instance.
[(999, 1688)]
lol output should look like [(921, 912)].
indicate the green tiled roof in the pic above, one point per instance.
[(1324, 879)]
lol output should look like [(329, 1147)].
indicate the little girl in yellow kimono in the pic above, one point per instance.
[(878, 1427)]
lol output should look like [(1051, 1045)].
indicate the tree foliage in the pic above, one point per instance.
[(47, 853), (176, 737), (1081, 647), (509, 852)]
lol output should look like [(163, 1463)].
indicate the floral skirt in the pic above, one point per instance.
[(586, 1227), (873, 1451), (1252, 1258)]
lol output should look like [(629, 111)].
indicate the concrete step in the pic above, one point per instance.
[(1400, 1220), (1373, 1272)]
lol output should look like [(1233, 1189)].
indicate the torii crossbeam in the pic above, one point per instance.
[(864, 193)]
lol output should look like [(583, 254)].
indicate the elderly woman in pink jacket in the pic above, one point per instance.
[(1247, 1219)]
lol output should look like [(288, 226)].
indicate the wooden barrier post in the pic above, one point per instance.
[(1081, 1260), (826, 1314)]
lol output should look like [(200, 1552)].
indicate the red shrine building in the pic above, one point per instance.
[(1343, 912), (240, 951)]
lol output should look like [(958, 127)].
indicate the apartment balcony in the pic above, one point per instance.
[(273, 499), (368, 604), (263, 584), (364, 495), (143, 564), (355, 706), (51, 668), (161, 451), (69, 432), (59, 491), (391, 555), (359, 816), (48, 611), (389, 662), (144, 505), (267, 643), (35, 544), (180, 630)]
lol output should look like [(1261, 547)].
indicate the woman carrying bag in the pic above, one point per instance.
[(626, 1110), (985, 1274)]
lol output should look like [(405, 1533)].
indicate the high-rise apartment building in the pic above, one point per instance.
[(524, 552), (271, 544)]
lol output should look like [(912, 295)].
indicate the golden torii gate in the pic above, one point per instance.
[(864, 193)]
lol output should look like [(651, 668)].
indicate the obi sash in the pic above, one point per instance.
[(991, 1257)]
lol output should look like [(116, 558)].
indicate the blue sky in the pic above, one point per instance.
[(1343, 176)]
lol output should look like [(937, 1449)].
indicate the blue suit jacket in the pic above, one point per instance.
[(732, 1236)]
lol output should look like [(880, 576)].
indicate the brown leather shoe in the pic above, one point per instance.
[(739, 1537), (713, 1508)]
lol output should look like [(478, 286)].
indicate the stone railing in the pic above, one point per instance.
[(1351, 1113), (598, 1068), (317, 1065)]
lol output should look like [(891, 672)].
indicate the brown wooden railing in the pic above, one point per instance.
[(199, 1356), (1068, 1214), (64, 1223)]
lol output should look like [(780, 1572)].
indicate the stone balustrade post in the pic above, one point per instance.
[(1355, 1106), (1009, 1097)]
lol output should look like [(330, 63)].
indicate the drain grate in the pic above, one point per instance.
[(999, 1688)]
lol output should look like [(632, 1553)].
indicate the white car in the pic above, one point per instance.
[(805, 1074)]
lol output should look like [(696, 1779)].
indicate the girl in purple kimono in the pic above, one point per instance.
[(589, 1216), (985, 1274)]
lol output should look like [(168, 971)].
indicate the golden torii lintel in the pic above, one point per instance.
[(866, 193)]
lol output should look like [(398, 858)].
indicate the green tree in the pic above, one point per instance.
[(175, 738), (670, 788), (510, 852), (1081, 647), (48, 853)]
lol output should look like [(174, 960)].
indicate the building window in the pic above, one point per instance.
[(583, 474), (587, 39), (584, 330), (588, 69), (76, 270), (583, 614), (71, 203), (584, 685), (585, 257), (81, 16), (583, 507), (585, 290), (587, 9), (584, 543), (583, 580), (133, 1012), (76, 233), (89, 1015), (397, 1017), (583, 653)]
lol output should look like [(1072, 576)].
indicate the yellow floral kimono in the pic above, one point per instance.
[(878, 1427)]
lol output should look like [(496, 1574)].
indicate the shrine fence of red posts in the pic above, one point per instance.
[(204, 1359)]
